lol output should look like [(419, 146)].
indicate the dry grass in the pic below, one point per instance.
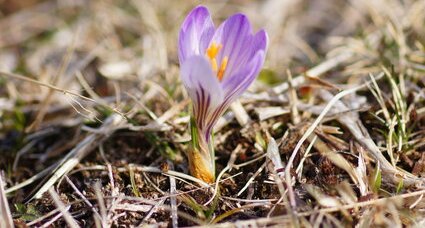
[(93, 117)]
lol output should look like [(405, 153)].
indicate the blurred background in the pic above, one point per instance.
[(115, 45)]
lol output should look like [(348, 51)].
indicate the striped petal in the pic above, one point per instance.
[(235, 36), (235, 86), (247, 65), (203, 88), (196, 33), (237, 83)]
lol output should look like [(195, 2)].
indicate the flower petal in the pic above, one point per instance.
[(235, 87), (259, 42), (243, 62), (236, 84), (203, 88), (196, 33), (235, 34)]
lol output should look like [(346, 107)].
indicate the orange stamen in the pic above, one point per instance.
[(211, 53), (214, 64)]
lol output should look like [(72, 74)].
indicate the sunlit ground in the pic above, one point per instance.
[(94, 117)]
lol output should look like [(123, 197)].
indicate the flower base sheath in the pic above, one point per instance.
[(217, 66)]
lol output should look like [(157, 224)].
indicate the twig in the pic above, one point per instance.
[(64, 211), (152, 210), (56, 217), (83, 197), (39, 219), (101, 203), (252, 178), (173, 200), (240, 113), (293, 100)]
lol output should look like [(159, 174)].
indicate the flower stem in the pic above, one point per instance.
[(201, 155)]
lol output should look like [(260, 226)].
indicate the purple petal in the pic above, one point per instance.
[(258, 42), (239, 44), (235, 87), (196, 33), (243, 62), (236, 84), (261, 40), (203, 88)]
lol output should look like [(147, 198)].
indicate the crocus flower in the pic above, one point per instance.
[(217, 66)]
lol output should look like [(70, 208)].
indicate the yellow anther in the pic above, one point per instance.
[(223, 66), (213, 50), (211, 53)]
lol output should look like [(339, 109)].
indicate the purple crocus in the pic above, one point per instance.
[(217, 66)]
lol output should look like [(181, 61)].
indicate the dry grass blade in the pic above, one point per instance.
[(54, 218), (358, 130), (307, 134), (80, 151), (315, 71), (251, 179), (270, 112), (274, 156), (5, 215), (46, 101), (23, 78), (32, 179), (335, 158)]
